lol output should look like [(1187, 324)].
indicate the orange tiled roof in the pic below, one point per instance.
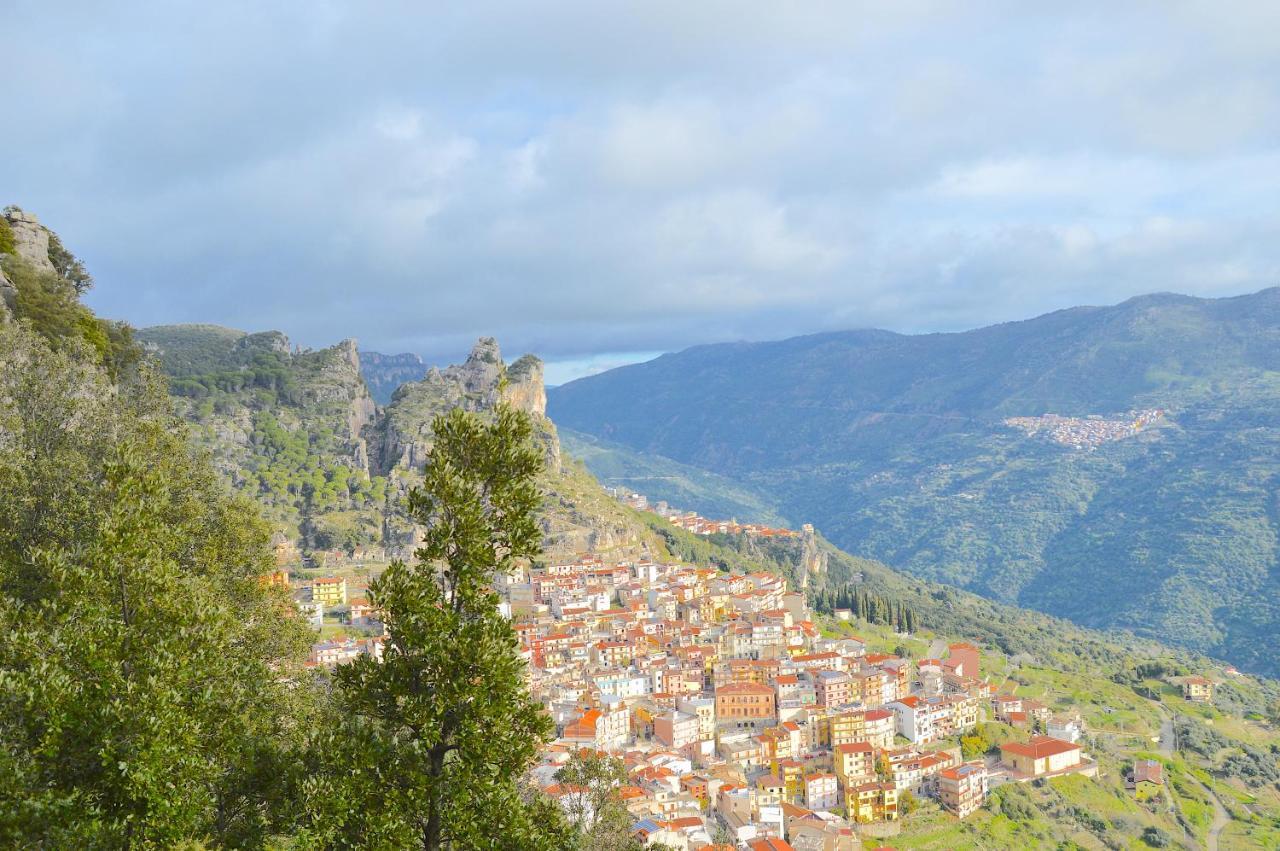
[(1039, 747)]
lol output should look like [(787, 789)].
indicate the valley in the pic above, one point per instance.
[(995, 459)]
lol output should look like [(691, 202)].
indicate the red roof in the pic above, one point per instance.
[(771, 844), (1040, 747), (1149, 770)]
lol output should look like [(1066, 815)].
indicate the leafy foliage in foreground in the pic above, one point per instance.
[(148, 689)]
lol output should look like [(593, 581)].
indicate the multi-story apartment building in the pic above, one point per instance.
[(821, 791), (329, 591), (854, 763), (745, 706), (873, 801), (832, 688), (676, 729), (963, 789)]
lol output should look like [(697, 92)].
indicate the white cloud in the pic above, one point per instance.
[(582, 177)]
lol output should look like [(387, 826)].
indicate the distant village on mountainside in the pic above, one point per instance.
[(1086, 432)]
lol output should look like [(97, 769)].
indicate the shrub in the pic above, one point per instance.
[(1156, 838)]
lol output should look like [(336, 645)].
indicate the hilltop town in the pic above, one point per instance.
[(738, 712), (693, 522)]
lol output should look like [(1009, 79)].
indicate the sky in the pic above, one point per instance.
[(598, 182)]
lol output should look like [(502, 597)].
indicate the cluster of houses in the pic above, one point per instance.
[(697, 524), (1085, 432), (735, 715), (330, 595)]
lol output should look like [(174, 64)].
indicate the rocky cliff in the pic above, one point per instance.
[(300, 432), (286, 426), (477, 384), (30, 238)]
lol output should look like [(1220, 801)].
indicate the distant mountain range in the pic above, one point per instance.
[(1119, 465), (384, 373)]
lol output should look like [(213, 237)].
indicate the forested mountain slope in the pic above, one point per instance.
[(1150, 504)]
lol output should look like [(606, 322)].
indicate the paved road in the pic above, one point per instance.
[(1166, 732)]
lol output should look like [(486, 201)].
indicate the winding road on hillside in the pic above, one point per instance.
[(1168, 739)]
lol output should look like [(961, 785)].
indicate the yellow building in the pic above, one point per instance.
[(872, 802), (1041, 755), (791, 773), (842, 729), (329, 591), (1145, 779), (1198, 689), (854, 763)]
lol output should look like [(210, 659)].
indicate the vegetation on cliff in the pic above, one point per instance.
[(149, 682), (48, 298)]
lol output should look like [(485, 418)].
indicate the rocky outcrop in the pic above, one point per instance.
[(322, 395), (476, 385), (813, 559), (271, 341), (525, 388), (481, 374), (8, 297), (30, 238), (350, 353)]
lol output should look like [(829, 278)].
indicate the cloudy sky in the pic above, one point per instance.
[(597, 181)]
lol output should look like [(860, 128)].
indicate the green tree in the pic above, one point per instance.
[(443, 728), (7, 245), (68, 266), (148, 679), (591, 801)]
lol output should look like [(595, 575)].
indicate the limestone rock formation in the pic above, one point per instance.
[(813, 561), (525, 388), (30, 238), (8, 296), (475, 385), (321, 399)]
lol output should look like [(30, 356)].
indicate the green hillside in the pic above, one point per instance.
[(658, 478), (897, 447)]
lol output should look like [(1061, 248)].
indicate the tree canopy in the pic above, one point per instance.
[(439, 732), (149, 679)]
